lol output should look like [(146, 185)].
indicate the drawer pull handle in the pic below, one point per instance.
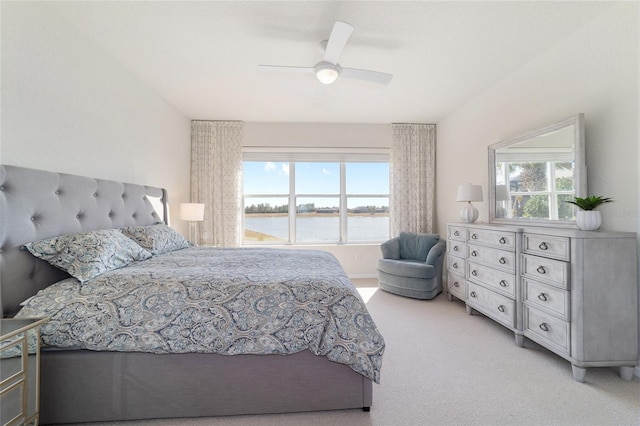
[(541, 270), (474, 237), (542, 297), (456, 233), (544, 326), (543, 246), (474, 253), (502, 283), (502, 260), (455, 265), (503, 240), (474, 273), (472, 294), (455, 284), (501, 308), (456, 248)]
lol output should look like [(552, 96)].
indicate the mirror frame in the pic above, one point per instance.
[(580, 183)]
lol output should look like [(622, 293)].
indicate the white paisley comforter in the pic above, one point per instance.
[(216, 300)]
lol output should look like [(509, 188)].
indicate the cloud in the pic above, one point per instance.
[(285, 168), (325, 171), (269, 166)]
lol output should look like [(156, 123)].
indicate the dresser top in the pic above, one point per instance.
[(546, 230)]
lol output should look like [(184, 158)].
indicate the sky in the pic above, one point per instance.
[(317, 178)]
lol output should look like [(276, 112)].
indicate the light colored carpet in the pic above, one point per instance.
[(443, 367)]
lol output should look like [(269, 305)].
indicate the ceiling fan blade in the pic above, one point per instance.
[(337, 40), (367, 75), (282, 68)]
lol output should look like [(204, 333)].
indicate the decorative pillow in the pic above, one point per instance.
[(157, 239), (86, 255)]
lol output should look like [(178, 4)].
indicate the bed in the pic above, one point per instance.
[(106, 379)]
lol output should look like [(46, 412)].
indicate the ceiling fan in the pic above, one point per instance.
[(328, 70)]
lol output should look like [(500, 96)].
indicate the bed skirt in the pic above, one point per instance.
[(87, 386)]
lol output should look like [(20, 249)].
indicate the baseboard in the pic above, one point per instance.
[(362, 276)]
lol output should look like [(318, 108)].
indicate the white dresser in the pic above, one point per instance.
[(574, 292)]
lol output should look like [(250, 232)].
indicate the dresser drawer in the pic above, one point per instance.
[(547, 298), (500, 308), (457, 233), (504, 260), (553, 272), (547, 246), (457, 286), (547, 330), (457, 248), (456, 264), (501, 239), (502, 282)]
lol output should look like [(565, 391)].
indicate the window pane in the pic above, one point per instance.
[(528, 177), (266, 219), (317, 178), (265, 177), (564, 176), (566, 211), (317, 219), (367, 178), (531, 206), (367, 219)]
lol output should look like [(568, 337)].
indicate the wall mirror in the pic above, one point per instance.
[(532, 175)]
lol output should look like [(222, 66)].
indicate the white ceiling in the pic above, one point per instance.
[(201, 56)]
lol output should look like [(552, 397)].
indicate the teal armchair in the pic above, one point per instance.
[(411, 265)]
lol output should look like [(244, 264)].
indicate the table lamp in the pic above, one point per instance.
[(469, 193), (193, 212)]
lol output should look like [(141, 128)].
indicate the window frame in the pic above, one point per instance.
[(325, 155)]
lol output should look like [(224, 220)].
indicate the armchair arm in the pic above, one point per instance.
[(391, 249), (436, 253)]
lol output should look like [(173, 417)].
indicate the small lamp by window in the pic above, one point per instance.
[(469, 193), (193, 212), (502, 196)]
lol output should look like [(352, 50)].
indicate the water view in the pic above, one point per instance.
[(316, 228)]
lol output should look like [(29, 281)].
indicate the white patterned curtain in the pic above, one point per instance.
[(216, 180), (412, 178)]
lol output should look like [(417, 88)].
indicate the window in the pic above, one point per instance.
[(535, 190), (307, 202)]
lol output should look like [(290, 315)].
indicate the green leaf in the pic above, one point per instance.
[(590, 202)]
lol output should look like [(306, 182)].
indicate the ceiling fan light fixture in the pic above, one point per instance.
[(327, 72)]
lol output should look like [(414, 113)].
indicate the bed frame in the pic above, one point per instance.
[(87, 386)]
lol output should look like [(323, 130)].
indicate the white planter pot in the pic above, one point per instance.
[(588, 220)]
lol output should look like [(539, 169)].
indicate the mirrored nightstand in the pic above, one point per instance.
[(20, 370)]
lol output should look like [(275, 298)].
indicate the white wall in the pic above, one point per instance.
[(317, 135), (69, 107), (358, 260), (595, 71)]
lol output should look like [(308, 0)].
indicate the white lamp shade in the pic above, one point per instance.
[(327, 72), (327, 75), (469, 193), (193, 212)]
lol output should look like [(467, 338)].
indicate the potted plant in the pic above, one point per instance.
[(588, 218)]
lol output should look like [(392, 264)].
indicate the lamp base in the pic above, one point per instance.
[(193, 233), (469, 213)]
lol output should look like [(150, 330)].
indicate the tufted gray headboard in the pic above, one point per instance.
[(36, 204)]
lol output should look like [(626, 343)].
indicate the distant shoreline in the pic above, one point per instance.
[(315, 214)]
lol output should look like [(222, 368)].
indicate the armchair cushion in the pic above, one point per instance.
[(416, 246), (406, 268)]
